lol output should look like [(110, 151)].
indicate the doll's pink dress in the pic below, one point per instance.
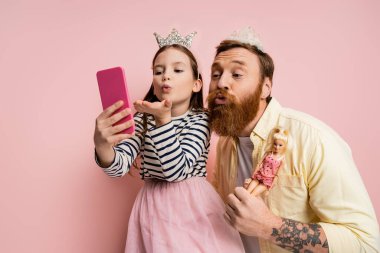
[(267, 171)]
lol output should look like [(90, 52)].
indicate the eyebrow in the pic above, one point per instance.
[(174, 63), (216, 64), (178, 62)]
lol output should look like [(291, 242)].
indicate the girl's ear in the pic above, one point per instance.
[(197, 85)]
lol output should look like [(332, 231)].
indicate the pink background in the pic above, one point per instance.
[(54, 198)]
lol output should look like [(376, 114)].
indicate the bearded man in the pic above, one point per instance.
[(318, 202)]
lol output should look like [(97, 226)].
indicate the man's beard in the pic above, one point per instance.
[(231, 118)]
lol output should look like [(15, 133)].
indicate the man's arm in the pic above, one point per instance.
[(300, 237), (250, 216)]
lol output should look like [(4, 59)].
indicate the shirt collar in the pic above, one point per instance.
[(268, 120)]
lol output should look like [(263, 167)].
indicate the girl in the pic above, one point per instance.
[(265, 173), (177, 210)]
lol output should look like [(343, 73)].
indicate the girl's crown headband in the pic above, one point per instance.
[(175, 38)]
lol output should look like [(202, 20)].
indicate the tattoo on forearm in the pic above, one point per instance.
[(299, 237)]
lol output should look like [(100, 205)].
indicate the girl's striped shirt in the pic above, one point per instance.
[(173, 152)]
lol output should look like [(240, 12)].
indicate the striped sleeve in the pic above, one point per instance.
[(125, 152), (178, 154)]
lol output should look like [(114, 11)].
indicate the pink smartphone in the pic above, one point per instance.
[(112, 88)]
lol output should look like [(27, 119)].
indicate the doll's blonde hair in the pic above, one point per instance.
[(279, 133)]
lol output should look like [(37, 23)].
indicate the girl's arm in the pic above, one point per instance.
[(125, 152), (106, 135), (177, 153)]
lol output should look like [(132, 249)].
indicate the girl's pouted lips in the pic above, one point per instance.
[(166, 88)]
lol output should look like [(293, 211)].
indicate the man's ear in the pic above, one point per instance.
[(267, 88), (197, 85)]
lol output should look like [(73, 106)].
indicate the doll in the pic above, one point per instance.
[(273, 160)]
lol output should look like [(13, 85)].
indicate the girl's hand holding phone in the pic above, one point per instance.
[(106, 135)]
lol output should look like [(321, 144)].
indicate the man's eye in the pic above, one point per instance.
[(215, 75), (236, 75)]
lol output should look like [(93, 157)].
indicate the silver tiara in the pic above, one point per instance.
[(175, 38), (247, 35)]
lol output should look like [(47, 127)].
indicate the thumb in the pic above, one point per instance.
[(167, 103)]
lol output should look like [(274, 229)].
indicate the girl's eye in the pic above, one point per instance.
[(158, 72), (178, 70)]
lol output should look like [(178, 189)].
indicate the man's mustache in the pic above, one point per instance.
[(219, 92)]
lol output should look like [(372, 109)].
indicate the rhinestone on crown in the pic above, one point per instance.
[(247, 35), (175, 38)]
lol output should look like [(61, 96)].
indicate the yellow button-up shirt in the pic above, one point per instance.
[(318, 184)]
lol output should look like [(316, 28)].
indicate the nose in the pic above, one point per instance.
[(223, 83), (165, 76)]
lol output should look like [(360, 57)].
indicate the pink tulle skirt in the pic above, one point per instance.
[(184, 216)]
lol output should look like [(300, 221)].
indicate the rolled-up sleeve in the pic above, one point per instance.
[(339, 198)]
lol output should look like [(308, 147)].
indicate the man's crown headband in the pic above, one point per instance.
[(247, 35), (175, 38)]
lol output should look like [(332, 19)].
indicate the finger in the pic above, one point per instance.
[(111, 109), (137, 102), (247, 181), (121, 127), (139, 108), (143, 106), (233, 201), (230, 214), (146, 103), (242, 194), (118, 138), (252, 186), (230, 209), (227, 218), (117, 117), (167, 103)]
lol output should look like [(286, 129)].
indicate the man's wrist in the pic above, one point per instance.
[(274, 222)]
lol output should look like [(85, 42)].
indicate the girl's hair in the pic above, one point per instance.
[(196, 100)]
